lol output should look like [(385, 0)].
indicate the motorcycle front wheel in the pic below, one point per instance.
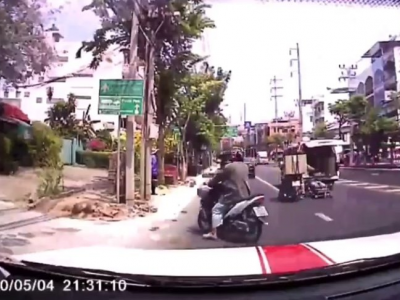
[(203, 221)]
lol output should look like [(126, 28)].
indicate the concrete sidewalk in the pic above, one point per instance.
[(59, 233)]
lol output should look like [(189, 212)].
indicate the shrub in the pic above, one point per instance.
[(93, 159), (7, 165), (97, 145), (45, 146)]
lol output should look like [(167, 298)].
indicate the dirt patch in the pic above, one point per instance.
[(85, 206)]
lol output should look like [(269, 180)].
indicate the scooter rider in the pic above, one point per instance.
[(234, 178)]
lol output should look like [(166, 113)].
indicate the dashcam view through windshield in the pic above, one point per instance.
[(199, 138)]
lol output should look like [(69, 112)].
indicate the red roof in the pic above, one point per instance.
[(13, 112)]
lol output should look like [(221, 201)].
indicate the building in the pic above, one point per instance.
[(284, 127), (68, 74), (377, 77)]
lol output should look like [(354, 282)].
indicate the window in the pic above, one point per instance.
[(39, 100), (6, 93), (63, 58), (41, 78), (83, 97), (27, 94), (17, 94)]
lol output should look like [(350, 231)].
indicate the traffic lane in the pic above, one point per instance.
[(352, 212), (184, 233), (289, 223), (363, 212), (271, 174), (377, 176)]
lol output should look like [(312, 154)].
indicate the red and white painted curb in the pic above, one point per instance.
[(223, 261)]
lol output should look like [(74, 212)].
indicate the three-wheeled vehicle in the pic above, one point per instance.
[(293, 167), (322, 169)]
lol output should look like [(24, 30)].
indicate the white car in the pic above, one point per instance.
[(262, 158)]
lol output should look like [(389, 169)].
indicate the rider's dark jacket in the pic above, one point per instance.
[(234, 178)]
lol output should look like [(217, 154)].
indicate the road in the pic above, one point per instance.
[(357, 209)]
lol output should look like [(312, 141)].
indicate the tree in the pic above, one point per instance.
[(61, 117), (276, 140), (321, 131), (190, 111), (357, 108), (23, 48), (172, 38), (375, 130), (340, 110)]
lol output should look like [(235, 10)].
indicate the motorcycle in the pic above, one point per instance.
[(243, 221)]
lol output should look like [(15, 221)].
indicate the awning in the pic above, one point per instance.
[(13, 112)]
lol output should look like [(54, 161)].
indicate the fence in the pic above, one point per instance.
[(68, 152)]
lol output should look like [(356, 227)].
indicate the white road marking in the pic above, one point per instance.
[(376, 187), (393, 191), (346, 181), (359, 184), (324, 217), (267, 183)]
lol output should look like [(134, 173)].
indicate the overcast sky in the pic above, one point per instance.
[(253, 39)]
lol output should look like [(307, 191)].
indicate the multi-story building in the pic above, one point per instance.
[(68, 74), (378, 79), (284, 127)]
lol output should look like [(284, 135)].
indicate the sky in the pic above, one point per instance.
[(253, 40)]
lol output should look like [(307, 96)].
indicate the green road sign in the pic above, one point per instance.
[(121, 97), (231, 132)]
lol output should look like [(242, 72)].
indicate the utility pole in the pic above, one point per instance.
[(346, 74), (274, 93), (146, 143), (296, 58), (130, 120)]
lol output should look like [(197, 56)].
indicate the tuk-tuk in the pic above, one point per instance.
[(322, 158)]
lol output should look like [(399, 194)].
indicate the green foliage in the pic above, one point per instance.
[(197, 109), (7, 165), (51, 181), (276, 140), (320, 131), (92, 159), (45, 146), (61, 117), (23, 49)]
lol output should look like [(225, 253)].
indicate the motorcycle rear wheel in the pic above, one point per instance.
[(255, 230), (203, 222)]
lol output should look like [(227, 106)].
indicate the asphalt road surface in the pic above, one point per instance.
[(357, 209)]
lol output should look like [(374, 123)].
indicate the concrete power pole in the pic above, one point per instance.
[(274, 93), (130, 121), (348, 73), (296, 58), (146, 143)]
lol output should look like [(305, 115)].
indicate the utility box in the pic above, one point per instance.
[(295, 164)]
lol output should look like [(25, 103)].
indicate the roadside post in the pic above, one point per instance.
[(120, 97)]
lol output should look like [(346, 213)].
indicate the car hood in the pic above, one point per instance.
[(240, 261)]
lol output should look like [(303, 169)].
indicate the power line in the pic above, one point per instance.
[(274, 82)]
